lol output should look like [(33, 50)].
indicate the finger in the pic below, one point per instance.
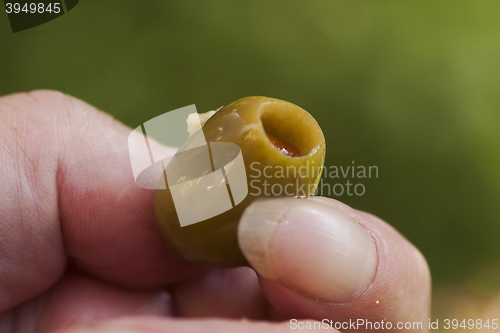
[(79, 300), (232, 293), (68, 190), (321, 259), (162, 325)]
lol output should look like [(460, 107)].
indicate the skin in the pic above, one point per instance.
[(256, 125), (80, 250)]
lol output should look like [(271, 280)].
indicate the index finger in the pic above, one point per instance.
[(68, 192)]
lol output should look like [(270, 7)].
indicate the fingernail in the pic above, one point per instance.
[(309, 247)]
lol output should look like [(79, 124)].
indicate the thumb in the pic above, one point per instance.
[(320, 259)]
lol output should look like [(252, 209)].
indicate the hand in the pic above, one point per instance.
[(80, 250)]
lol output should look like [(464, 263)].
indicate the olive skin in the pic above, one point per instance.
[(270, 133)]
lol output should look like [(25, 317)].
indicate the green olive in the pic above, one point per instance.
[(283, 150)]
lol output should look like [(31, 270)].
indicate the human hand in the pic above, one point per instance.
[(80, 250)]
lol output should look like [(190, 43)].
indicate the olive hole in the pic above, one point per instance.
[(295, 131)]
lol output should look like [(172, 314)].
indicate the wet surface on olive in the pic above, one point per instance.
[(284, 147)]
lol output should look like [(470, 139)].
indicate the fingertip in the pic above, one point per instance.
[(308, 247), (318, 258)]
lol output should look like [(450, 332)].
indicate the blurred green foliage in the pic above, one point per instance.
[(412, 88)]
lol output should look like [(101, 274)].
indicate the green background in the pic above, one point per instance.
[(412, 88)]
